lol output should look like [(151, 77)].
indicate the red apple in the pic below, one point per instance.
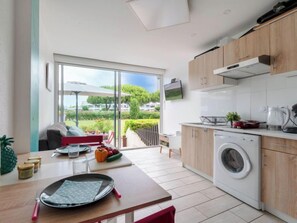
[(110, 153)]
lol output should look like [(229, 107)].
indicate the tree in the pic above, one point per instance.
[(97, 100), (136, 92), (134, 108), (155, 96), (139, 93)]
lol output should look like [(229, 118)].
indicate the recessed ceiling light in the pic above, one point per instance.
[(227, 12)]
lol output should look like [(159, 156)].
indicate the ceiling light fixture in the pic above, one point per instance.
[(155, 14)]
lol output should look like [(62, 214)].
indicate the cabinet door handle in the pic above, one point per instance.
[(201, 80), (205, 82), (192, 133)]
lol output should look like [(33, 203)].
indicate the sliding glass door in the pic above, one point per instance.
[(125, 105)]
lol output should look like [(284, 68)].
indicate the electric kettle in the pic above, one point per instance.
[(277, 117)]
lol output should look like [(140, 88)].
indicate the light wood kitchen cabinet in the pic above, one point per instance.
[(247, 47), (279, 175), (197, 149), (201, 71), (283, 44), (196, 73), (213, 60), (188, 147)]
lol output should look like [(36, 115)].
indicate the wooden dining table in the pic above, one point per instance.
[(17, 197)]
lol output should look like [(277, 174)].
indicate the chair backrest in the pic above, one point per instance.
[(110, 137), (164, 216)]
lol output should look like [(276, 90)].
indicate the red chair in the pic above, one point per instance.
[(164, 216), (91, 140), (109, 139)]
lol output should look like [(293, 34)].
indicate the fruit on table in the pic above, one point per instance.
[(115, 151), (101, 154), (110, 153), (7, 155), (114, 157)]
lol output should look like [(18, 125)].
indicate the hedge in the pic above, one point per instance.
[(91, 115), (140, 124)]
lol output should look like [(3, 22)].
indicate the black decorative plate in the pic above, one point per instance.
[(64, 150), (105, 189)]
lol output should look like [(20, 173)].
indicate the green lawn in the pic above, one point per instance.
[(81, 123)]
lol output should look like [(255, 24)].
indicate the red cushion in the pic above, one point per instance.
[(87, 140)]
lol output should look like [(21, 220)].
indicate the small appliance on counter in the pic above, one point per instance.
[(275, 118), (278, 118), (213, 120), (290, 113)]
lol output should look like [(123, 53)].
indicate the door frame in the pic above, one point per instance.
[(87, 63)]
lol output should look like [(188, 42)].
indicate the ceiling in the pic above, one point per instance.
[(109, 30)]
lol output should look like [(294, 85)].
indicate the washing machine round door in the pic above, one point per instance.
[(234, 160)]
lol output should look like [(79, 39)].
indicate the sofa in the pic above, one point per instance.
[(58, 135)]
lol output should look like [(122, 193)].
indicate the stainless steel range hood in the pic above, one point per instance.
[(248, 68)]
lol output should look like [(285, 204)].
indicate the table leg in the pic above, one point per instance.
[(129, 217)]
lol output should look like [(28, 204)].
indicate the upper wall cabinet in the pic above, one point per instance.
[(201, 71), (249, 46), (283, 44)]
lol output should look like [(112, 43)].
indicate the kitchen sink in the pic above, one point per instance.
[(194, 123)]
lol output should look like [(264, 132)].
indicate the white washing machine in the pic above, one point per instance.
[(237, 166)]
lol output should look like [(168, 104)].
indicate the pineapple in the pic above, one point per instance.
[(8, 157)]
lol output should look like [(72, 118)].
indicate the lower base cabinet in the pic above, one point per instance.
[(279, 175), (197, 149)]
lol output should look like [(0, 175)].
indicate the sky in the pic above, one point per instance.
[(98, 77)]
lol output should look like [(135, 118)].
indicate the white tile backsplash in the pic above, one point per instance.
[(243, 105), (281, 97), (275, 82), (218, 103), (247, 98), (259, 83), (250, 96), (258, 100)]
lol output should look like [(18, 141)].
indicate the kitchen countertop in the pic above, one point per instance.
[(260, 131)]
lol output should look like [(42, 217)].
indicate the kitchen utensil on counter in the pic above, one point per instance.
[(276, 118), (213, 120), (36, 208), (116, 193), (249, 124)]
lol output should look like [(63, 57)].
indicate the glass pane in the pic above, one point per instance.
[(140, 106), (88, 98), (232, 160)]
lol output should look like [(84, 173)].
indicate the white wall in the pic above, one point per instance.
[(247, 98), (46, 98), (6, 66), (22, 62)]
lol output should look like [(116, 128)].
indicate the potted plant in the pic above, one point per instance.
[(124, 137), (232, 116), (8, 157)]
